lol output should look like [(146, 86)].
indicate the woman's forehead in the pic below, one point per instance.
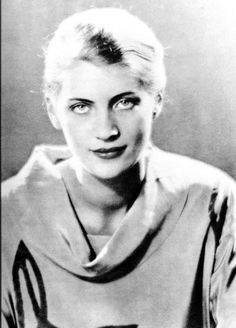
[(90, 78)]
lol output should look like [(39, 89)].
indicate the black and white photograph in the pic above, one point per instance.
[(118, 194)]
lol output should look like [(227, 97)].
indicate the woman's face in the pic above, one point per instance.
[(105, 116)]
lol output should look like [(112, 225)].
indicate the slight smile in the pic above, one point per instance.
[(109, 153)]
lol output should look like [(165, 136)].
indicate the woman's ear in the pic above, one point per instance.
[(158, 104), (51, 113), (159, 97)]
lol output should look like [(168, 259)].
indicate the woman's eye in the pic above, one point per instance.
[(125, 104), (80, 108)]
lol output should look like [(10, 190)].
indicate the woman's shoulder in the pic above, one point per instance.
[(190, 172), (33, 199), (38, 179), (206, 187), (39, 168)]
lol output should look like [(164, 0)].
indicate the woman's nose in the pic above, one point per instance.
[(106, 128)]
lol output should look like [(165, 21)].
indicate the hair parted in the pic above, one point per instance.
[(105, 36)]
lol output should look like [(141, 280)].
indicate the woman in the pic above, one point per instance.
[(110, 231)]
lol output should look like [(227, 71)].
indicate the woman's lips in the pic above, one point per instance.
[(109, 153)]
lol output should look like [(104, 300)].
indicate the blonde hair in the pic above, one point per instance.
[(105, 36)]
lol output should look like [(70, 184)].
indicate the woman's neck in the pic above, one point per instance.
[(109, 194), (102, 204)]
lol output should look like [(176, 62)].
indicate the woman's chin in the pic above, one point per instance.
[(109, 172)]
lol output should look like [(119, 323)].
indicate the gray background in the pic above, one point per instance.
[(199, 117)]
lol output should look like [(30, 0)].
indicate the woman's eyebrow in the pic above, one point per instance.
[(117, 97), (81, 99)]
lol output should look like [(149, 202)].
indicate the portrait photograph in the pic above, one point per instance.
[(118, 194)]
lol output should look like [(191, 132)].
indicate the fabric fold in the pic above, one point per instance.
[(65, 242)]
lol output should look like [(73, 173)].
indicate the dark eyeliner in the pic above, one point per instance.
[(72, 107), (79, 101), (125, 95), (134, 100)]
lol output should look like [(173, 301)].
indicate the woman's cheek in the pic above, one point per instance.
[(142, 131), (75, 129), (139, 139)]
